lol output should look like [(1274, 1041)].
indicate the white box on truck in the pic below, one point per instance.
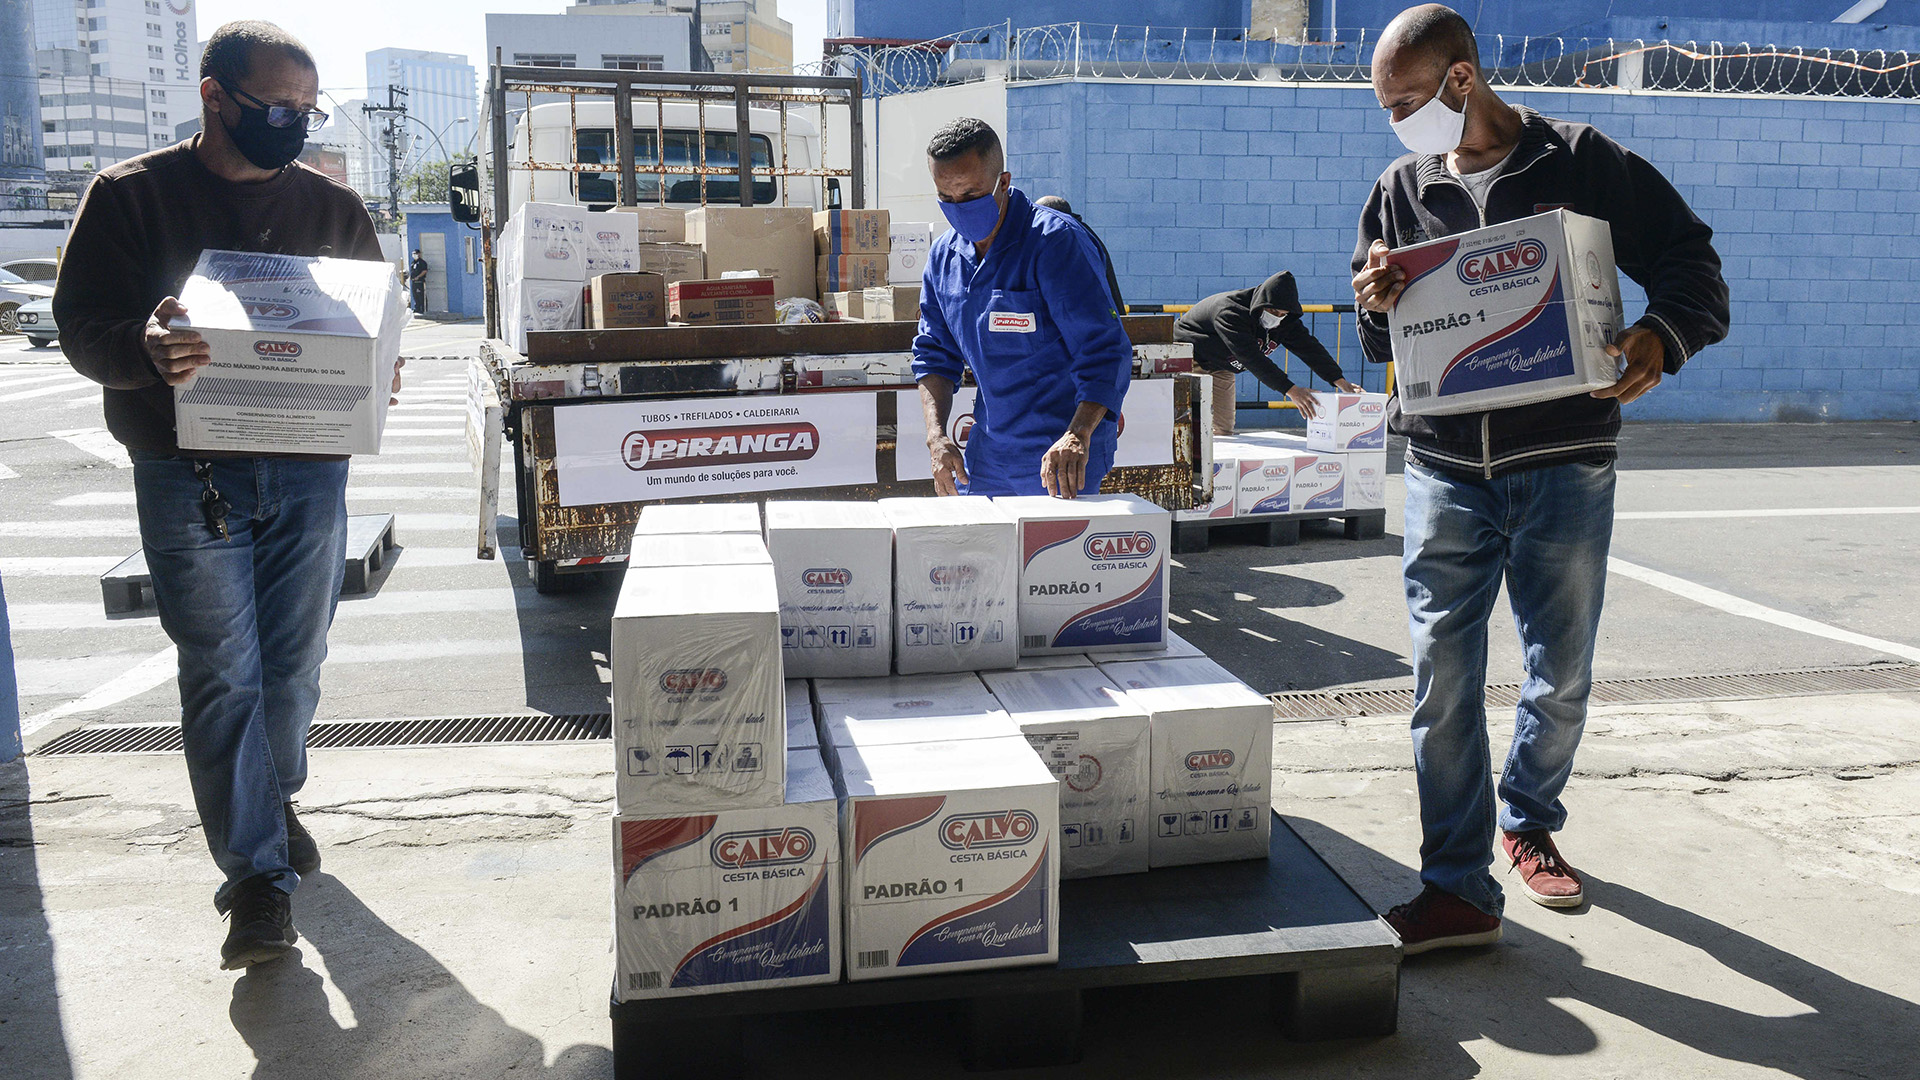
[(1212, 760), (708, 902), (545, 241), (834, 563), (700, 519), (956, 569), (949, 855), (1507, 315), (698, 704), (802, 732), (688, 549), (1096, 740), (303, 352), (1093, 572)]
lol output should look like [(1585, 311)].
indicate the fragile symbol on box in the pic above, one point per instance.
[(1169, 824), (640, 762)]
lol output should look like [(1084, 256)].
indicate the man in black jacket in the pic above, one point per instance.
[(1055, 202), (1235, 331), (1522, 494)]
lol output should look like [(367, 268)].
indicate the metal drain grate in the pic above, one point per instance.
[(1339, 704), (353, 734)]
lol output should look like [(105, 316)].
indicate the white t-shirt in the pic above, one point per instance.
[(1479, 183)]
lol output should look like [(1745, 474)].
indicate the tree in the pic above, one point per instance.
[(427, 183)]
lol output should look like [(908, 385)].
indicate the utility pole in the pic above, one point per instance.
[(395, 112)]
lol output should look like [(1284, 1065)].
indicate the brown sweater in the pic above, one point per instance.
[(140, 230)]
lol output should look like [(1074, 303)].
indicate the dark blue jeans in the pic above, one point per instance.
[(250, 616), (9, 690), (1546, 532)]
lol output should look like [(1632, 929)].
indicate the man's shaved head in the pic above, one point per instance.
[(1432, 36)]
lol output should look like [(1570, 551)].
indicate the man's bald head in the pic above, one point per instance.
[(1432, 37)]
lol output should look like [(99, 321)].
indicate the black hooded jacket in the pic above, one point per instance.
[(1226, 335), (1658, 241)]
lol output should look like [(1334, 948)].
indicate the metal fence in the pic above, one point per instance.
[(1105, 51)]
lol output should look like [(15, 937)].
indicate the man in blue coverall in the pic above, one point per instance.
[(1015, 292)]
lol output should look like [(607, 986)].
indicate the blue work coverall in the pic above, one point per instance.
[(1035, 322)]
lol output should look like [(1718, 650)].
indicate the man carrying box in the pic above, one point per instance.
[(1523, 494), (246, 553), (1014, 293), (1236, 331)]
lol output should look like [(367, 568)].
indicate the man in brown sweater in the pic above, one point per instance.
[(246, 553)]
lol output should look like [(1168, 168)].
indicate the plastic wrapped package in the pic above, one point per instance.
[(901, 709), (699, 519), (1093, 572), (956, 569), (698, 703), (798, 309), (802, 732), (834, 563), (948, 849), (697, 549), (732, 899), (1097, 742)]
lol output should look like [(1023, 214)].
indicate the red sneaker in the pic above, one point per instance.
[(1544, 875), (1437, 919)]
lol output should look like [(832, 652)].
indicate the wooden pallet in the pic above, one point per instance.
[(1273, 530), (369, 538), (1332, 964)]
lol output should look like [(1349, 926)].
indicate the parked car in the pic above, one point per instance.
[(15, 291), (41, 270), (36, 321)]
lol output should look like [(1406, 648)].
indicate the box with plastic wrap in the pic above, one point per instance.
[(702, 519), (1176, 648), (956, 570), (907, 709), (1507, 315), (698, 703), (688, 549), (802, 733), (1096, 740), (1093, 572), (834, 562), (611, 243), (723, 900), (529, 304), (948, 849), (1212, 760), (544, 242), (1348, 422), (1366, 480)]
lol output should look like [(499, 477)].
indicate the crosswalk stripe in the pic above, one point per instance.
[(405, 524), (48, 375), (98, 442), (67, 387), (393, 492), (51, 617), (411, 468), (8, 474), (137, 680), (58, 565), (422, 432)]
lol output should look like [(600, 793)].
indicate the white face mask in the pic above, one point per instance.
[(1433, 128), (1268, 320)]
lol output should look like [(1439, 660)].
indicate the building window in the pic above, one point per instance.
[(633, 62), (716, 29), (157, 74), (159, 118), (156, 95), (153, 7), (47, 126), (155, 52), (161, 138), (565, 60), (153, 29)]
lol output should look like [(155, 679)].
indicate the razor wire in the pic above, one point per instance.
[(1148, 53)]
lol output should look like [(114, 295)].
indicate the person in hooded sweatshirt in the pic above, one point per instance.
[(1235, 331)]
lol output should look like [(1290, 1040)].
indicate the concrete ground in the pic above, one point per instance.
[(1755, 865)]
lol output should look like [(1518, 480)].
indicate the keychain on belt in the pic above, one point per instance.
[(213, 505)]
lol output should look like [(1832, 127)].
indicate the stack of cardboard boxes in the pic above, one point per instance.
[(542, 266), (855, 269), (1340, 464)]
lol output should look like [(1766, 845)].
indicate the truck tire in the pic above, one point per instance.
[(549, 581)]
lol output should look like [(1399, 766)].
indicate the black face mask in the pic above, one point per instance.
[(266, 146)]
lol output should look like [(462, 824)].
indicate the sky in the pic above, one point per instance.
[(341, 32)]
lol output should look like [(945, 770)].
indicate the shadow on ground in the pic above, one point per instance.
[(32, 1044), (410, 1016)]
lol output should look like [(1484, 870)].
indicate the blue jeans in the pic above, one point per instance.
[(9, 690), (250, 616), (1546, 532)]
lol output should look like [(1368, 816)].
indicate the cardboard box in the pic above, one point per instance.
[(731, 899), (950, 859), (1212, 760), (698, 701), (893, 303), (956, 572), (844, 273), (909, 236), (906, 267), (731, 302), (903, 709), (303, 352), (626, 300), (802, 732), (1366, 480), (1096, 741), (851, 232), (688, 549), (834, 563), (529, 304), (701, 519), (1093, 572), (1176, 648), (1263, 477), (1319, 482), (658, 224), (1050, 661), (546, 242), (774, 241), (844, 305), (675, 262), (1348, 422), (1226, 488), (612, 244), (1506, 315)]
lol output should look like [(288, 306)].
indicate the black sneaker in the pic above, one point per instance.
[(302, 853), (260, 925)]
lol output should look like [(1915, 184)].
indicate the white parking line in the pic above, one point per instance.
[(66, 387), (410, 468), (98, 442), (8, 474), (137, 680), (1784, 511), (392, 433), (47, 374), (115, 528), (399, 493), (1734, 605), (58, 565)]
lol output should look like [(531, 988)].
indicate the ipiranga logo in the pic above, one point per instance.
[(684, 448)]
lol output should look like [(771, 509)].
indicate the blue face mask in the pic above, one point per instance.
[(974, 219)]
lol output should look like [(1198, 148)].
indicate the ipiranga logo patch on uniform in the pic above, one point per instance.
[(1013, 322)]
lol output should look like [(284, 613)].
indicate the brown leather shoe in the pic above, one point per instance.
[(1544, 875), (1437, 919)]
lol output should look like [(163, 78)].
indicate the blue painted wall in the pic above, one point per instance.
[(1198, 188), (926, 19), (466, 286)]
